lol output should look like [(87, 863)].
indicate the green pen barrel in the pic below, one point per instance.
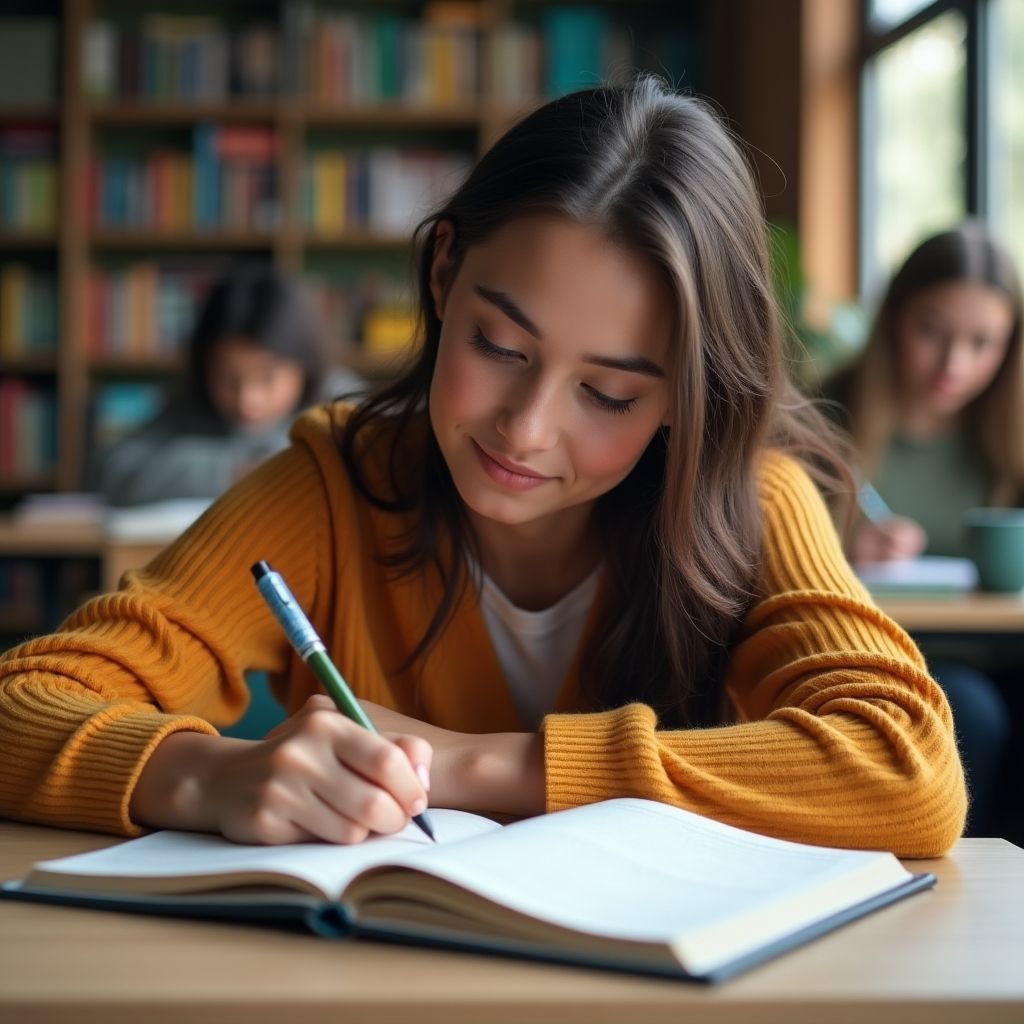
[(323, 668)]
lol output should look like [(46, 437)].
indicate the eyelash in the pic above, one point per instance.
[(487, 348)]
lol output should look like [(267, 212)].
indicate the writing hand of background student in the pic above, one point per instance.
[(893, 539), (317, 776), (501, 772)]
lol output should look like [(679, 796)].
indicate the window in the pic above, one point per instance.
[(1006, 144), (942, 136)]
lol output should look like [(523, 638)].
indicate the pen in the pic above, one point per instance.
[(311, 650), (872, 504)]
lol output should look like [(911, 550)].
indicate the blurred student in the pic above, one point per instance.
[(935, 407), (255, 358)]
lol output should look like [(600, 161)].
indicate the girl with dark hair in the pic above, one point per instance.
[(573, 553), (254, 359), (935, 409)]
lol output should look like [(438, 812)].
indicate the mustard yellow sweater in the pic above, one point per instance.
[(840, 735)]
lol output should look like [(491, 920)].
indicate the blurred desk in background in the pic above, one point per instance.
[(69, 556), (25, 539), (973, 613)]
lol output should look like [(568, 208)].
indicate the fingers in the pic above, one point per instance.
[(387, 767), (895, 539), (320, 776)]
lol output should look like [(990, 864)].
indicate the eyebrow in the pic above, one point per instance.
[(507, 305)]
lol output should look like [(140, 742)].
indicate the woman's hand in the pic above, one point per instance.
[(317, 776), (499, 772), (895, 538)]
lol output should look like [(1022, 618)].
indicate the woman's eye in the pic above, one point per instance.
[(616, 405), (933, 331), (487, 347)]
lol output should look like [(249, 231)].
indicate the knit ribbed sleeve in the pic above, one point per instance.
[(82, 709), (842, 738)]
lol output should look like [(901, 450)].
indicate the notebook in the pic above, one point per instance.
[(624, 884), (925, 575)]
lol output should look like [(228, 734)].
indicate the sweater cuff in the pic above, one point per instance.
[(599, 756), (91, 782)]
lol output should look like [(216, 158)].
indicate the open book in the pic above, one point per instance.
[(625, 884)]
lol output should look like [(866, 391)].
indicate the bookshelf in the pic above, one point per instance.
[(286, 98)]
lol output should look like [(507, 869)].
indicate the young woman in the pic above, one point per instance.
[(571, 554), (935, 407), (254, 359)]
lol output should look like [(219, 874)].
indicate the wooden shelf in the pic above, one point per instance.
[(35, 112), (154, 112), (353, 240), (27, 482), (132, 365), (14, 238), (314, 112), (391, 115), (111, 238), (29, 364)]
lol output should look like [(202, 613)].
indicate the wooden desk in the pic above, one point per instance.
[(88, 540), (960, 613), (954, 954)]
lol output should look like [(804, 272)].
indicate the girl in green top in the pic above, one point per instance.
[(935, 408)]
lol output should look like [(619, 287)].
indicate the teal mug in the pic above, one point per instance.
[(995, 539)]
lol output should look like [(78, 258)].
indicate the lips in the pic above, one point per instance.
[(509, 466), (508, 474)]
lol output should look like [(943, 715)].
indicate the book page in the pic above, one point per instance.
[(644, 871), (180, 862), (934, 573)]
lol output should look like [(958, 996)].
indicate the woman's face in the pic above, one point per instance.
[(251, 387), (951, 341), (551, 376)]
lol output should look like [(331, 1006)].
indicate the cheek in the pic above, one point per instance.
[(918, 360), (288, 388), (609, 454), (463, 386), (987, 366)]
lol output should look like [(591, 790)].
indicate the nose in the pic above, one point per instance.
[(530, 419), (249, 401), (958, 357)]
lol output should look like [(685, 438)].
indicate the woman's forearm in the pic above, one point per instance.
[(498, 772), (175, 786)]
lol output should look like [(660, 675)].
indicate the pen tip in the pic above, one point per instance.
[(425, 826)]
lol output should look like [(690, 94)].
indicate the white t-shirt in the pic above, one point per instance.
[(535, 649)]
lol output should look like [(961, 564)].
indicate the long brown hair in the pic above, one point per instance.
[(995, 418), (658, 173)]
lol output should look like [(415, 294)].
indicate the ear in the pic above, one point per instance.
[(440, 265)]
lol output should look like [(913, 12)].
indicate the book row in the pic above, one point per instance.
[(28, 178), (28, 312), (355, 57), (143, 310), (169, 56), (383, 190), (228, 180), (28, 427)]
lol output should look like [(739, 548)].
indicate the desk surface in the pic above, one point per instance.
[(975, 612), (953, 954)]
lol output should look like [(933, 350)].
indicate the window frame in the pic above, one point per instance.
[(977, 15)]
